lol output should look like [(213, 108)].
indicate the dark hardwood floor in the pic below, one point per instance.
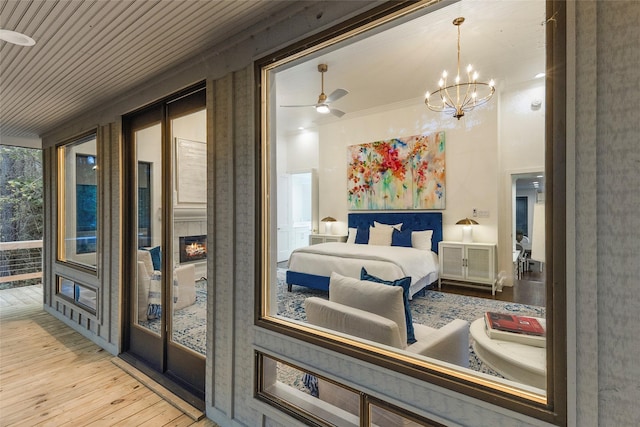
[(528, 290)]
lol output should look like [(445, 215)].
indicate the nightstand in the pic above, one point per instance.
[(314, 239), (469, 264)]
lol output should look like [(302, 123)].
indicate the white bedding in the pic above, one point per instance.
[(386, 262)]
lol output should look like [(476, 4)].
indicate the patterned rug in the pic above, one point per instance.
[(189, 323), (431, 308)]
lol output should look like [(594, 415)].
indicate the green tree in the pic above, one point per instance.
[(21, 206)]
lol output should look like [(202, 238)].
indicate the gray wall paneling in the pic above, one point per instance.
[(603, 241), (103, 328)]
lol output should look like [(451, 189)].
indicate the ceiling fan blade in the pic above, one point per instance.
[(337, 113), (336, 94), (306, 105)]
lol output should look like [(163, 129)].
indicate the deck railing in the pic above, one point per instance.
[(20, 260)]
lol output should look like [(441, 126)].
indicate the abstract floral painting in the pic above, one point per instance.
[(400, 173)]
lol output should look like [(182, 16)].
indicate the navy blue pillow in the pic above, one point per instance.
[(401, 238), (362, 236), (156, 257), (405, 283)]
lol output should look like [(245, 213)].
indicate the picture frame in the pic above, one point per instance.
[(191, 171)]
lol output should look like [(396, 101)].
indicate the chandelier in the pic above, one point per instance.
[(459, 97)]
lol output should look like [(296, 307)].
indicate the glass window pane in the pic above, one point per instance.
[(86, 297), (66, 287), (306, 395), (488, 149), (188, 317), (78, 202), (81, 295), (381, 416), (149, 296)]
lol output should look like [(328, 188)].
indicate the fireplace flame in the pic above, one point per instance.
[(195, 249)]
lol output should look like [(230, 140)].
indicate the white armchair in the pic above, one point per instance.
[(375, 312), (184, 285)]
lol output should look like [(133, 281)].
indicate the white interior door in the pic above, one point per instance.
[(285, 229), (296, 207), (301, 208)]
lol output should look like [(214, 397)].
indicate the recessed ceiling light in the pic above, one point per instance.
[(539, 75), (301, 128), (16, 38)]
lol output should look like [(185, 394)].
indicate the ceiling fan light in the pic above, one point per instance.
[(322, 109)]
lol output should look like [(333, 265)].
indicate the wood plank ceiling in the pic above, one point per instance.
[(87, 52)]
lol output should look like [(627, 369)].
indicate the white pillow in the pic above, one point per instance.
[(422, 239), (383, 300), (396, 226), (380, 236), (352, 235)]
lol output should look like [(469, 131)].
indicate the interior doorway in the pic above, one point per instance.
[(297, 211), (527, 200)]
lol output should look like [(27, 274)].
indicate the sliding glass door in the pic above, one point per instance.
[(166, 238)]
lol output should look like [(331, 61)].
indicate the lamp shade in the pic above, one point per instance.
[(328, 219), (467, 221), (467, 236)]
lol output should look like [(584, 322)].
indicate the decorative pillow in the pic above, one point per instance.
[(422, 239), (380, 236), (156, 257), (395, 226), (401, 238), (351, 238), (362, 237), (380, 299), (405, 284)]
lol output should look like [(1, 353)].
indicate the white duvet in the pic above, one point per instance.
[(386, 262)]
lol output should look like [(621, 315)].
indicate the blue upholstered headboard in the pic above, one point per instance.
[(416, 221)]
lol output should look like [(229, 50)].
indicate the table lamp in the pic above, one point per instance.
[(328, 220), (467, 232)]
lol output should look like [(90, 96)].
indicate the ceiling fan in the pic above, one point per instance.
[(322, 106)]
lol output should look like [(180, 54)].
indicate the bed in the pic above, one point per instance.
[(311, 266)]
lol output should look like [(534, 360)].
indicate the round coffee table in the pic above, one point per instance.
[(518, 362)]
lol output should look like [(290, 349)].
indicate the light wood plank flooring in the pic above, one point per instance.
[(52, 375)]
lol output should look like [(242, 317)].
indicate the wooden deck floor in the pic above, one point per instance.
[(52, 375)]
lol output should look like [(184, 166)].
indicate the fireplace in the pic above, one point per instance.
[(193, 248)]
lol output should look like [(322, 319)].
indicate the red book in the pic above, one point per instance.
[(514, 324)]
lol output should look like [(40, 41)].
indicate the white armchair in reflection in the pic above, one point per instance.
[(375, 312)]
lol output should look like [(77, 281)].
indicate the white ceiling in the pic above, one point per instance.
[(504, 40), (87, 52)]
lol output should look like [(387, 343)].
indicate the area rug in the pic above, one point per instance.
[(430, 307), (189, 323)]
